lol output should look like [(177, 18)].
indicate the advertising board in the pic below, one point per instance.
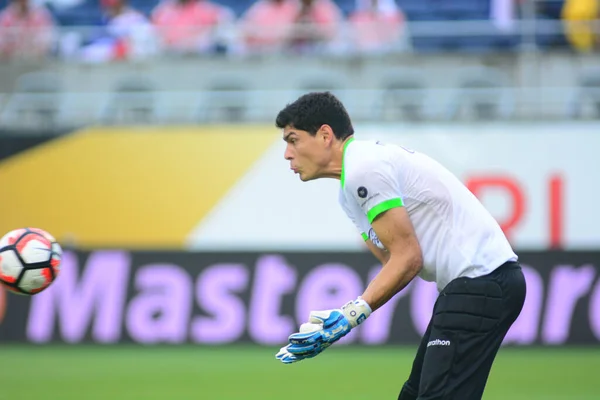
[(118, 296)]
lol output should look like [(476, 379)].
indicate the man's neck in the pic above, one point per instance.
[(336, 165)]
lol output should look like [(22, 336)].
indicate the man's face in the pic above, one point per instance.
[(308, 155)]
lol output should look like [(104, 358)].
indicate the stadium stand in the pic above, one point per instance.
[(422, 15), (457, 60)]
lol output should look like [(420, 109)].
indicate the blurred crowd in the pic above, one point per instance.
[(28, 29), (202, 26)]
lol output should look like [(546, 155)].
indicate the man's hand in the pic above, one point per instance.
[(286, 357), (324, 329)]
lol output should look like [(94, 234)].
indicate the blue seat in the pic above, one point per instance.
[(463, 6), (346, 6), (239, 7), (144, 6), (551, 40), (87, 13), (550, 8), (415, 8)]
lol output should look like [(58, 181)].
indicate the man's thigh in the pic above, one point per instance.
[(470, 320), (410, 389)]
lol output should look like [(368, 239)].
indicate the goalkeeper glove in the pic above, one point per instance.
[(331, 326)]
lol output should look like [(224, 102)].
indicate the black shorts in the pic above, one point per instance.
[(470, 320)]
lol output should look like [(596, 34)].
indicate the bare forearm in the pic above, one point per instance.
[(382, 255), (393, 277)]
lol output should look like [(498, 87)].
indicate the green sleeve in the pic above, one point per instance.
[(382, 207)]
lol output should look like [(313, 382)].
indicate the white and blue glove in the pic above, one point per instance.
[(322, 330)]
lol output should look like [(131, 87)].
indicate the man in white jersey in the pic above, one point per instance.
[(418, 219)]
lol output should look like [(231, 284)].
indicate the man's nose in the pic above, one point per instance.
[(288, 153)]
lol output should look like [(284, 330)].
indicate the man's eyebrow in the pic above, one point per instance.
[(287, 137)]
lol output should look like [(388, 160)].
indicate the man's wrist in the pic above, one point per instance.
[(356, 311)]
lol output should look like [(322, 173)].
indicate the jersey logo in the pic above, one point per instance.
[(362, 192), (373, 238)]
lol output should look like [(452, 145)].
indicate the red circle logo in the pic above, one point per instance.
[(2, 303)]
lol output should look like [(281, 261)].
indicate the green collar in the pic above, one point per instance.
[(343, 177)]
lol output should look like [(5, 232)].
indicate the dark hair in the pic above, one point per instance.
[(313, 110)]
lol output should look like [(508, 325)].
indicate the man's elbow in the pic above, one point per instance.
[(409, 259), (414, 260)]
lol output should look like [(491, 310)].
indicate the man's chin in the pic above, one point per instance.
[(304, 177)]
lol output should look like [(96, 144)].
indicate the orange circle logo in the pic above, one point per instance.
[(2, 303)]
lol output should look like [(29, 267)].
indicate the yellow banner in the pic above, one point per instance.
[(127, 187)]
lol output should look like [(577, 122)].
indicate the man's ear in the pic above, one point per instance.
[(326, 134)]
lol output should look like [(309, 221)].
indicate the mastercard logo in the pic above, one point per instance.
[(2, 303)]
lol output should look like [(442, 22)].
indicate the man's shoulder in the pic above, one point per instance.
[(366, 157), (365, 165), (364, 153)]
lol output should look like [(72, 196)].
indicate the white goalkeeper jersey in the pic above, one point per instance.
[(458, 236)]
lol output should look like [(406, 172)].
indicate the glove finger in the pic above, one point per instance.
[(299, 349), (285, 356), (327, 318), (305, 338), (310, 327), (300, 357), (318, 317), (307, 350), (282, 352), (318, 350), (289, 358)]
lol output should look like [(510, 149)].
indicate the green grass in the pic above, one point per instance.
[(205, 373)]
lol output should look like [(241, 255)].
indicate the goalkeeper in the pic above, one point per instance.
[(418, 219)]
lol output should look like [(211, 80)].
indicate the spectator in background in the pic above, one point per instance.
[(128, 34), (317, 23), (26, 31), (303, 25), (378, 25), (267, 24), (190, 26), (578, 16)]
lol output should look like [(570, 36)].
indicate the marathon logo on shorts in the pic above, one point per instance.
[(438, 342)]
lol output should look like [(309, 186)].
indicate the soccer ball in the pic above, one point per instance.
[(29, 260)]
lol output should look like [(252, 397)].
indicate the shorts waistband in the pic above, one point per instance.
[(509, 265)]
